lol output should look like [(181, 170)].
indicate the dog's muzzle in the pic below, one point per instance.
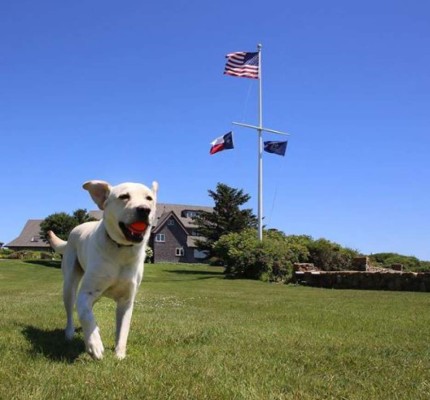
[(135, 231)]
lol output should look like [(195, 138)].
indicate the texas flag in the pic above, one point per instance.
[(222, 143)]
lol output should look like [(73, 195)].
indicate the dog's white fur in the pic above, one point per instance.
[(106, 259)]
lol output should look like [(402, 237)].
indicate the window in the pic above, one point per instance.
[(171, 222), (160, 237), (179, 251), (200, 254), (191, 214)]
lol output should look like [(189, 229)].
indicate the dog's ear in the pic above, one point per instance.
[(99, 191), (155, 187)]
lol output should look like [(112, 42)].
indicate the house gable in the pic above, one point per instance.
[(169, 240), (172, 238)]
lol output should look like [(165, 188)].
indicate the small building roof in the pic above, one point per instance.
[(29, 236)]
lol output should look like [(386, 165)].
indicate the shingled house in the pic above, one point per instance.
[(172, 240), (174, 234), (29, 238)]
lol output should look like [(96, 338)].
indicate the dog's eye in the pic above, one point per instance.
[(124, 196), (149, 198)]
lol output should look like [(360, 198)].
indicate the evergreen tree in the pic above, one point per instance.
[(81, 215), (227, 217)]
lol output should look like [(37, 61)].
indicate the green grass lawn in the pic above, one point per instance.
[(196, 335)]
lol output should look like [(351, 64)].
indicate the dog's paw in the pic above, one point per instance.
[(95, 346), (96, 350), (70, 331), (120, 354)]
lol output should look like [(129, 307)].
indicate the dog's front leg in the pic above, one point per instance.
[(124, 311), (84, 305)]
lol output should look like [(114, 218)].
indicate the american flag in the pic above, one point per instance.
[(242, 64)]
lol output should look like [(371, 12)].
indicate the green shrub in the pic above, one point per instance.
[(330, 256), (4, 253), (32, 255), (272, 259), (149, 254), (243, 255), (21, 255), (409, 263)]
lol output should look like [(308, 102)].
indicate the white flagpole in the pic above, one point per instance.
[(263, 129), (260, 129), (260, 147)]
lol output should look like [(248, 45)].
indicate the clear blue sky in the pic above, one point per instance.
[(134, 91)]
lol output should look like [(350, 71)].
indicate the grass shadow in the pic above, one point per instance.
[(53, 345), (200, 274), (45, 263), (194, 272)]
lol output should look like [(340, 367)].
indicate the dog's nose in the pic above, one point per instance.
[(142, 212)]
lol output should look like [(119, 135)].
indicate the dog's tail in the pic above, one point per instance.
[(56, 243)]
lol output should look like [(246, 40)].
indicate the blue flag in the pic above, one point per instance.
[(276, 147)]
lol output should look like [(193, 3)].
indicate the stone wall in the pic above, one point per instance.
[(407, 281), (360, 264)]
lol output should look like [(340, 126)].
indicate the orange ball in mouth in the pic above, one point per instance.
[(138, 227)]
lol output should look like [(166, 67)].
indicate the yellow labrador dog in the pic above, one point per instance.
[(108, 256)]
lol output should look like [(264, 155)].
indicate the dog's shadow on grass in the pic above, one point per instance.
[(52, 344)]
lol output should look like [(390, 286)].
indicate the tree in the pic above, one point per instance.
[(81, 215), (227, 217), (62, 223)]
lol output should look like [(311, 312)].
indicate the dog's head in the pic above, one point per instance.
[(128, 209)]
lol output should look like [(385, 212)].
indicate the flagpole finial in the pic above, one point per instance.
[(259, 46)]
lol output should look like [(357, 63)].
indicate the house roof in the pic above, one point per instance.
[(163, 211), (166, 216), (29, 236), (180, 211), (191, 240)]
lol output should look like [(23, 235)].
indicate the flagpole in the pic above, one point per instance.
[(236, 67), (260, 147)]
